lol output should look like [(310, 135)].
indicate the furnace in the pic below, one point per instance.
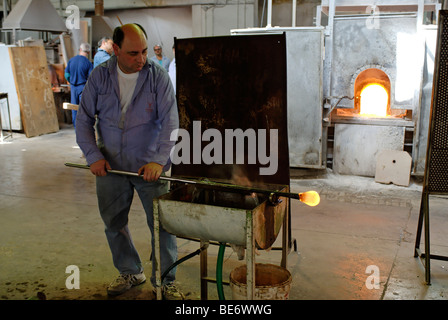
[(382, 47)]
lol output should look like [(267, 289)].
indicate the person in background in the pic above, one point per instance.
[(172, 69), (104, 52), (160, 58), (77, 72), (134, 103)]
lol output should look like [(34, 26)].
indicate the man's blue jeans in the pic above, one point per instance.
[(115, 193)]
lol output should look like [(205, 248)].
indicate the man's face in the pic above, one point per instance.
[(158, 51), (131, 56)]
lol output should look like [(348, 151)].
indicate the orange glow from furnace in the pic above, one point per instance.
[(374, 99)]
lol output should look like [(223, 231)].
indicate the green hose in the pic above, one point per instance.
[(219, 263)]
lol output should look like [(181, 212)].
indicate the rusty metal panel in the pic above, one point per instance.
[(229, 83)]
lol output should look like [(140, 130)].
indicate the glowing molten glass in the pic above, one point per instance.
[(374, 99), (310, 198)]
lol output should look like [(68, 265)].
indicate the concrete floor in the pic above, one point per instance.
[(49, 221)]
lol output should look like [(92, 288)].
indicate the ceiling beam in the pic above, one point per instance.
[(89, 5)]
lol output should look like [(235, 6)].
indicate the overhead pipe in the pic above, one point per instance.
[(5, 9), (5, 14), (99, 7)]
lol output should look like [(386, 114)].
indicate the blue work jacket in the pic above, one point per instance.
[(100, 57), (165, 62), (149, 121), (78, 70)]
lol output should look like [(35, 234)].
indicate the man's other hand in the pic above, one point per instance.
[(151, 171), (100, 168)]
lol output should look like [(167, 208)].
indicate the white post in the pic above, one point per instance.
[(294, 9), (269, 21)]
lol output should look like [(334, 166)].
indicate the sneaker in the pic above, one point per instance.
[(170, 292), (124, 282)]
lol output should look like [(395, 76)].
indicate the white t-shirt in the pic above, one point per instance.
[(126, 82)]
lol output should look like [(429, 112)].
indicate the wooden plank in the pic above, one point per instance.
[(37, 107), (70, 106)]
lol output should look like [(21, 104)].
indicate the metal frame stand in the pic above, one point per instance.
[(2, 137), (250, 254), (250, 262), (156, 264), (250, 257), (426, 256), (436, 166)]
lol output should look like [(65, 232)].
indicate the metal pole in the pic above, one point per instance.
[(212, 184), (250, 256), (158, 263), (269, 21), (294, 9)]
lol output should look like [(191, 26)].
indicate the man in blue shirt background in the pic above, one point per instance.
[(104, 52), (77, 72)]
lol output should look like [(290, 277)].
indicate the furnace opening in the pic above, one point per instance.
[(374, 100), (372, 93), (372, 96)]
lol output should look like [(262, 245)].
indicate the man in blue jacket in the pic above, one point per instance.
[(135, 106), (160, 58), (77, 72), (104, 52)]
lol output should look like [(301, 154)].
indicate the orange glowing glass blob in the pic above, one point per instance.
[(374, 99), (310, 198)]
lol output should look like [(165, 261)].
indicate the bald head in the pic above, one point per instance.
[(127, 29), (130, 47)]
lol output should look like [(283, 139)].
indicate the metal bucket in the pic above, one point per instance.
[(271, 282)]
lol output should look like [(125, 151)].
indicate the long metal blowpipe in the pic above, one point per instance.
[(310, 198)]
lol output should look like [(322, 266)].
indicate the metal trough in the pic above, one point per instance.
[(221, 216)]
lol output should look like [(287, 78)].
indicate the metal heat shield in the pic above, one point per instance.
[(234, 83), (230, 83)]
